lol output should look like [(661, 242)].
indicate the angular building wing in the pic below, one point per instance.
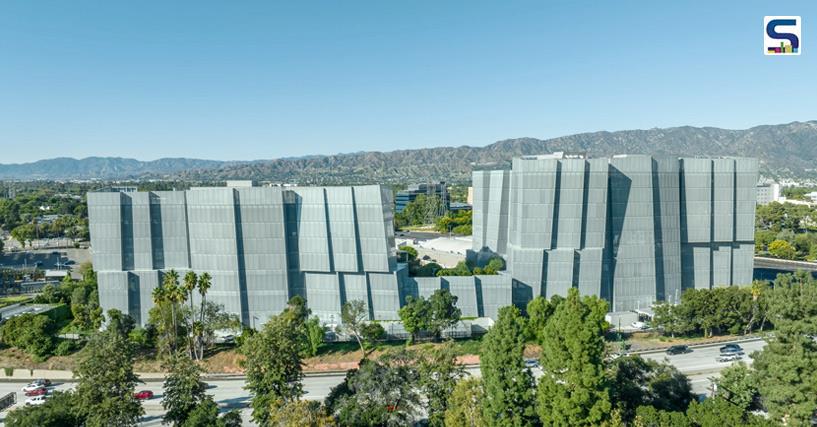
[(261, 245), (632, 229)]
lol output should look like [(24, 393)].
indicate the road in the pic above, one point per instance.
[(699, 365), (17, 309)]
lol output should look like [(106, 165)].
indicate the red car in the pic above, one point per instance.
[(37, 392), (143, 395)]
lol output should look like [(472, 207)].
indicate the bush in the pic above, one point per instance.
[(66, 347), (30, 333), (143, 338), (59, 314)]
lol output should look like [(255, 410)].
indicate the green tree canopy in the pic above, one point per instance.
[(183, 389), (508, 384), (636, 382), (273, 364), (465, 404), (106, 382), (573, 389)]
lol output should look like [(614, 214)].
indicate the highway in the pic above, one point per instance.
[(699, 365)]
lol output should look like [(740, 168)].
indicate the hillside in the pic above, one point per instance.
[(787, 150), (101, 168)]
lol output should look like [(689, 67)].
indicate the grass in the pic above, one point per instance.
[(424, 227), (9, 300), (640, 340)]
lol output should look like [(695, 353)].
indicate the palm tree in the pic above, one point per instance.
[(190, 280), (159, 300), (205, 281), (171, 290)]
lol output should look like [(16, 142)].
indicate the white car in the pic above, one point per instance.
[(729, 357), (31, 387), (639, 325), (35, 401)]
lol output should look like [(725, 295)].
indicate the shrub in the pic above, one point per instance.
[(65, 347), (59, 313)]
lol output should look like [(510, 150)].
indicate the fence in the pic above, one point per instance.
[(8, 401)]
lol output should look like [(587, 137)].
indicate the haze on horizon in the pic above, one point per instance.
[(217, 81)]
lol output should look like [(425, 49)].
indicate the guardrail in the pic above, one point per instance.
[(8, 401)]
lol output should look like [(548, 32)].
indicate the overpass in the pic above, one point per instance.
[(784, 264)]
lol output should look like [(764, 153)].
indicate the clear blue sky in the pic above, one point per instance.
[(266, 79)]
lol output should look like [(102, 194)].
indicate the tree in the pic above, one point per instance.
[(432, 315), (354, 317), (189, 285), (439, 373), (59, 410), (738, 385), (788, 363), (382, 392), (273, 365), (443, 312), (648, 416), (315, 332), (636, 382), (415, 315), (183, 389), (782, 249), (106, 381), (86, 270), (410, 252), (717, 412), (24, 233), (30, 333), (206, 415), (301, 413), (465, 404), (573, 389), (204, 284), (539, 311), (371, 333), (162, 315), (508, 385)]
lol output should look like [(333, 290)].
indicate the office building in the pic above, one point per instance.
[(404, 197), (631, 229), (261, 245), (767, 193)]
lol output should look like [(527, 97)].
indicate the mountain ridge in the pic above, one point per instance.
[(785, 150)]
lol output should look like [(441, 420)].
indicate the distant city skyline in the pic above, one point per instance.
[(268, 80)]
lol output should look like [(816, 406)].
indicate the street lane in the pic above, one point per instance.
[(703, 359), (700, 365)]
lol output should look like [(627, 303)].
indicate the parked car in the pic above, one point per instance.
[(678, 349), (731, 348), (37, 392), (729, 357), (143, 395), (639, 325), (531, 363), (35, 401)]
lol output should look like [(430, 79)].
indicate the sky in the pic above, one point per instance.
[(242, 80)]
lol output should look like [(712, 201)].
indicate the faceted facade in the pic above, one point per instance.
[(631, 229), (261, 245)]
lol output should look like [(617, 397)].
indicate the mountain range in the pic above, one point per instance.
[(785, 151)]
